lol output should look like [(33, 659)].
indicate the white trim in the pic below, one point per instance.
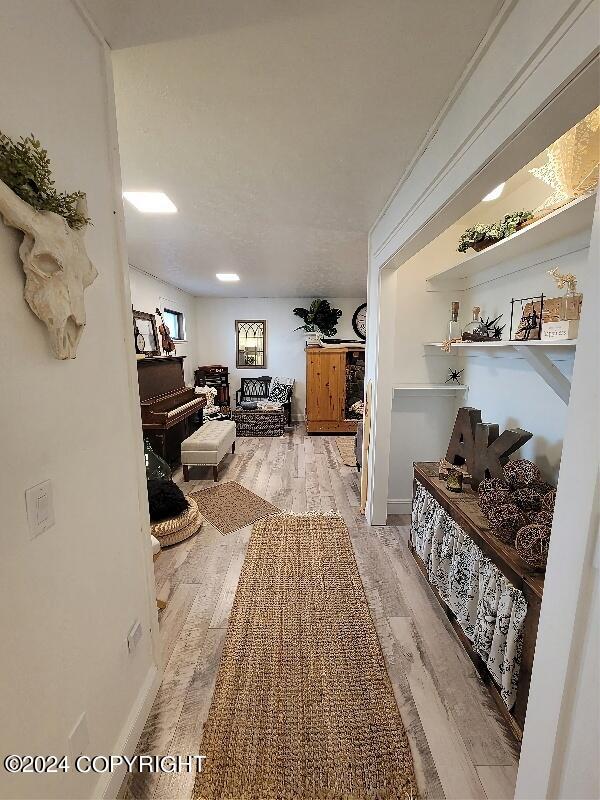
[(108, 785), (468, 151), (399, 506), (482, 48)]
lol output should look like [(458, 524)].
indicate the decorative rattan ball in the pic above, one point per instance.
[(527, 499), (532, 545), (521, 473), (505, 535), (488, 501), (509, 517), (505, 521), (542, 518), (492, 485), (548, 501)]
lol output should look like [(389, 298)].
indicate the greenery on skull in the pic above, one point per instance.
[(25, 168)]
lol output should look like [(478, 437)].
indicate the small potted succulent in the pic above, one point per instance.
[(481, 236)]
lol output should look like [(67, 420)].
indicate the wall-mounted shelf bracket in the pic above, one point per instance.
[(546, 369)]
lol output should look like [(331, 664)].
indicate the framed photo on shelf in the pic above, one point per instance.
[(145, 334)]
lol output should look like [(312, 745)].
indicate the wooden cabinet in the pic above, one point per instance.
[(326, 390)]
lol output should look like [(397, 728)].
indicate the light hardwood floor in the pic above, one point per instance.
[(460, 745)]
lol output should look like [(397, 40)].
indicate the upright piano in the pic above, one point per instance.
[(170, 410)]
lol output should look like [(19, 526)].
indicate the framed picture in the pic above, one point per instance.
[(145, 334), (251, 343)]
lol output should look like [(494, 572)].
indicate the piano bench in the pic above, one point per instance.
[(208, 446)]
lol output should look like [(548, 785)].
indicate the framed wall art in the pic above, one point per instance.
[(251, 343), (145, 334)]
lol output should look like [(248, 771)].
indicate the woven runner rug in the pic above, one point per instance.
[(345, 446), (303, 705), (229, 506)]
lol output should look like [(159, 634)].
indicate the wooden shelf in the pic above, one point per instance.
[(429, 389), (464, 509), (560, 224), (536, 353)]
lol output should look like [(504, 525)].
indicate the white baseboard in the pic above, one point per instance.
[(399, 506), (109, 784)]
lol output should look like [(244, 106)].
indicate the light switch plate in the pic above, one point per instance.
[(40, 508), (134, 636)]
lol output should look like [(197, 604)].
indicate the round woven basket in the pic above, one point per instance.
[(176, 529)]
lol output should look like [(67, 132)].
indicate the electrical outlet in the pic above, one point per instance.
[(134, 635), (79, 738), (40, 508)]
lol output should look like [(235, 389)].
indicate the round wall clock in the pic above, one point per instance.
[(140, 342), (359, 321)]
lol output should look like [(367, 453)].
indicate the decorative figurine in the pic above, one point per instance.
[(454, 375)]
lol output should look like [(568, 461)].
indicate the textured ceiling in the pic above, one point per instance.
[(278, 129)]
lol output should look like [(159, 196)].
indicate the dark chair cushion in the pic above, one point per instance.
[(165, 500)]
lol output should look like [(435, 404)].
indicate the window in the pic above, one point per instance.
[(250, 348), (175, 322)]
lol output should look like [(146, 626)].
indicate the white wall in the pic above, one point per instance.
[(535, 75), (285, 347), (148, 293), (496, 121), (69, 596)]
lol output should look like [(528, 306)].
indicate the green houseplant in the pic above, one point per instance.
[(25, 168), (481, 236), (320, 315)]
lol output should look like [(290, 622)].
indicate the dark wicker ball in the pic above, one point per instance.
[(488, 501), (505, 535), (532, 545), (507, 517), (492, 485), (542, 487), (548, 501), (542, 518), (521, 473), (527, 499)]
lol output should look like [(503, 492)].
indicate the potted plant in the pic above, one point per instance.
[(481, 236), (320, 315)]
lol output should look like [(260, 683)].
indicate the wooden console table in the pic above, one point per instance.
[(464, 509)]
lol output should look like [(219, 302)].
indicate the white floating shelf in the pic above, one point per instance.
[(510, 344), (537, 354), (564, 222), (430, 388)]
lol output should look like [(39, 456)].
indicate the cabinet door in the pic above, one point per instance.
[(325, 376)]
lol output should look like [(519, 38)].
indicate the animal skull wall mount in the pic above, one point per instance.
[(57, 269)]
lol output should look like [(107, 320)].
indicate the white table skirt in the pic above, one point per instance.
[(489, 609)]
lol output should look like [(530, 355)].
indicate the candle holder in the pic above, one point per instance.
[(454, 480)]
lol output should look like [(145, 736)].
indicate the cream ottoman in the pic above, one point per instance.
[(208, 446)]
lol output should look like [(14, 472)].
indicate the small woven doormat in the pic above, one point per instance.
[(303, 705), (345, 446), (230, 506)]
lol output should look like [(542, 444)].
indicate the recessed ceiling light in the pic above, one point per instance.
[(228, 276), (494, 194), (151, 202)]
